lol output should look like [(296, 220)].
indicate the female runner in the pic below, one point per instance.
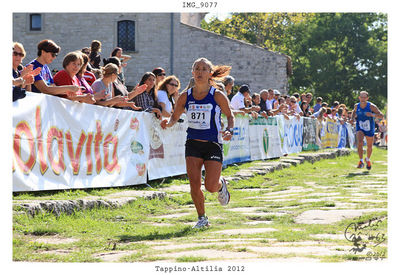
[(203, 104)]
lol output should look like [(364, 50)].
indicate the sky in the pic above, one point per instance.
[(220, 15)]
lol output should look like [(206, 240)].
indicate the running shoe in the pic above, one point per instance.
[(360, 164), (202, 222), (223, 194), (369, 164)]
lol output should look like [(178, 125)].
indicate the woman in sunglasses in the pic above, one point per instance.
[(294, 108), (22, 77), (168, 94), (44, 83), (160, 75)]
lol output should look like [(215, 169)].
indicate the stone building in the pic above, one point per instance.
[(170, 40)]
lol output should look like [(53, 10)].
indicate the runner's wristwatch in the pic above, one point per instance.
[(229, 130)]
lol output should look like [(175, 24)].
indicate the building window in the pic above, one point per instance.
[(35, 22), (126, 35)]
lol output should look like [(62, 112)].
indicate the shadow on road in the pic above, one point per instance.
[(156, 235), (352, 175)]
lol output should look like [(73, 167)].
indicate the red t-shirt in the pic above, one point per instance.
[(89, 77), (63, 78)]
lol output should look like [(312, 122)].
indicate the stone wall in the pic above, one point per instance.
[(256, 66)]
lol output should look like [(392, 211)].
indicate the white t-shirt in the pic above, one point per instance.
[(297, 109), (237, 101), (163, 98), (270, 104)]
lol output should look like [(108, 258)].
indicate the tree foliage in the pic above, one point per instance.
[(334, 55)]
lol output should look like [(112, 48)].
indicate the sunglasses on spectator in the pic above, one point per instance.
[(161, 74), (52, 54), (173, 84), (293, 101), (18, 54)]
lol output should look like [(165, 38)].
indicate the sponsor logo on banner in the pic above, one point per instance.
[(134, 125), (141, 168), (137, 147), (156, 144), (53, 143), (116, 124), (265, 140)]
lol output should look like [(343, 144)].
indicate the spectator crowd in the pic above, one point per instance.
[(83, 79)]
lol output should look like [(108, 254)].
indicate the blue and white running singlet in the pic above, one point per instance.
[(204, 117), (365, 123)]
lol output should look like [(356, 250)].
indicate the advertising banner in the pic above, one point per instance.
[(330, 134), (61, 144), (292, 135), (265, 141), (238, 149), (167, 149), (351, 136), (342, 136), (310, 134)]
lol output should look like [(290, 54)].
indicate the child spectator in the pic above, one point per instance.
[(44, 83)]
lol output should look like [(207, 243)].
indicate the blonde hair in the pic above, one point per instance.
[(109, 69), (19, 45)]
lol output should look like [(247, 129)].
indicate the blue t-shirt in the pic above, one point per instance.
[(363, 122), (204, 117), (45, 75), (317, 107)]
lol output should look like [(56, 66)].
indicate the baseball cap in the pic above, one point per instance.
[(276, 92)]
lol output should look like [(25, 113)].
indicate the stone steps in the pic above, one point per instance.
[(122, 198), (264, 168)]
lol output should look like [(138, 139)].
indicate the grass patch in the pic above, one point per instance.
[(130, 227)]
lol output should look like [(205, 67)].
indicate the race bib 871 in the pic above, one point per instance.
[(199, 116)]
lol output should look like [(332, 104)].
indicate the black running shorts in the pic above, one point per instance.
[(206, 150)]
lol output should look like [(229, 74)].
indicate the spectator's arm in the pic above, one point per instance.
[(68, 90), (238, 112), (85, 98), (163, 111), (137, 91), (353, 114), (112, 101), (279, 109), (179, 109), (125, 57)]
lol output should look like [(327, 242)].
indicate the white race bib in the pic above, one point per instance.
[(199, 116), (365, 125)]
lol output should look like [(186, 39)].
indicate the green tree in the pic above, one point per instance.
[(266, 30), (334, 55), (337, 55)]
